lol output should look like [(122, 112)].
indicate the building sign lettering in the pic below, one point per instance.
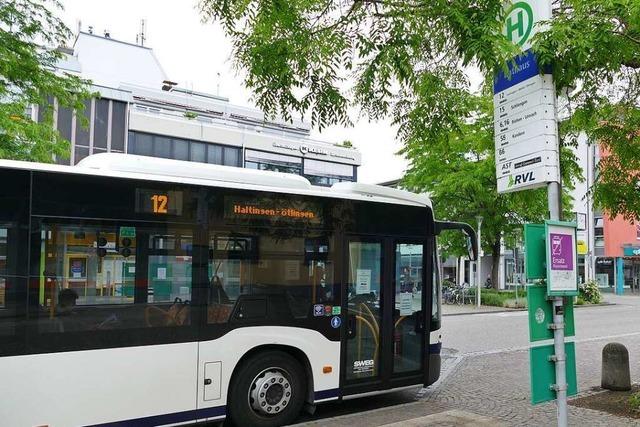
[(310, 149)]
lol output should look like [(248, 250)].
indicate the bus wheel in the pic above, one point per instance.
[(267, 391)]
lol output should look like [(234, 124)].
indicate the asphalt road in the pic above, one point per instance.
[(501, 332)]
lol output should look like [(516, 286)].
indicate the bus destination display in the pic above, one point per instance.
[(158, 202), (272, 209)]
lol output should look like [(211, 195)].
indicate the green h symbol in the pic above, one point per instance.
[(515, 26), (520, 8)]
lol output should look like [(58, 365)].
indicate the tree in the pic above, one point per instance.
[(29, 36), (406, 59), (458, 171), (346, 144)]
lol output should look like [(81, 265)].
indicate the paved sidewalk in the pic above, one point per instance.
[(497, 385), (449, 418), (494, 386)]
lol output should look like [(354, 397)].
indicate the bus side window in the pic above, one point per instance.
[(97, 277), (84, 272), (289, 274), (10, 283)]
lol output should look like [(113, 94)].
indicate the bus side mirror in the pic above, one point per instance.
[(467, 230), (472, 246)]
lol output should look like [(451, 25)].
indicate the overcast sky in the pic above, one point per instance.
[(193, 54)]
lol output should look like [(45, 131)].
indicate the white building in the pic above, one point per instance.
[(141, 111)]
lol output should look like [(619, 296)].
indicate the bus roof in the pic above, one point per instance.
[(184, 172)]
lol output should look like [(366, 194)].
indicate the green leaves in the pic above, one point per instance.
[(29, 36), (409, 60)]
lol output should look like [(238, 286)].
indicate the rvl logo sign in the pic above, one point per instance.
[(521, 178)]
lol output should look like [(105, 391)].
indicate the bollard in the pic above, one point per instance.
[(615, 367)]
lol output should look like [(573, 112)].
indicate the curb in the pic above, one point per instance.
[(509, 310), (602, 304), (466, 313)]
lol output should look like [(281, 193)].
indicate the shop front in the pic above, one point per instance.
[(629, 270), (605, 273)]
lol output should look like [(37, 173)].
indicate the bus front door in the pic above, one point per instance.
[(384, 342)]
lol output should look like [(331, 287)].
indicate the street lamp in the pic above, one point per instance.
[(479, 261)]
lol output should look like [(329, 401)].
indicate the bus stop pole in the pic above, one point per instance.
[(479, 263), (554, 195)]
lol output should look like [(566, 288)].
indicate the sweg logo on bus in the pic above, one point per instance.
[(363, 363), (521, 178)]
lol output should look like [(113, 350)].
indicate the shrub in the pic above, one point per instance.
[(448, 284), (499, 298), (589, 292), (634, 401)]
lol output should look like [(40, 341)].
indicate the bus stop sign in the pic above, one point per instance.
[(543, 373), (541, 315)]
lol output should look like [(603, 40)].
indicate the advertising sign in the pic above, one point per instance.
[(562, 259), (583, 243), (631, 250)]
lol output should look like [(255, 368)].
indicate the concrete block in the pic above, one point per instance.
[(615, 367)]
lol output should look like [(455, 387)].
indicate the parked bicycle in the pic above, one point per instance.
[(455, 294)]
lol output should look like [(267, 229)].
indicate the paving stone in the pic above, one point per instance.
[(497, 385), (449, 418)]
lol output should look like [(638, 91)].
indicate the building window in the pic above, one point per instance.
[(198, 151), (80, 153), (162, 147), (273, 162), (43, 109), (180, 149), (231, 156), (100, 128), (598, 232), (82, 126), (65, 116), (145, 144), (118, 125), (319, 172), (214, 154)]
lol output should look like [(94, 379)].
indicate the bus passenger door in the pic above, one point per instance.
[(384, 345), (364, 315), (408, 311)]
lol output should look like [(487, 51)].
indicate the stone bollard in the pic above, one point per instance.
[(615, 367)]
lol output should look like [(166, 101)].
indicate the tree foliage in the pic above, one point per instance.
[(458, 171), (594, 47), (409, 60), (29, 36)]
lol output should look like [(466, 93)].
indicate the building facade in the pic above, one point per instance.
[(140, 111)]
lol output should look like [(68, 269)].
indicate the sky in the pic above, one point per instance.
[(197, 56)]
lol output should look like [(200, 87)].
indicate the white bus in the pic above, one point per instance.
[(144, 291)]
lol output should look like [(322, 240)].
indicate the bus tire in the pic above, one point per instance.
[(268, 390)]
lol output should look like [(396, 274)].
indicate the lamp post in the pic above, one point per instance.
[(479, 262)]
